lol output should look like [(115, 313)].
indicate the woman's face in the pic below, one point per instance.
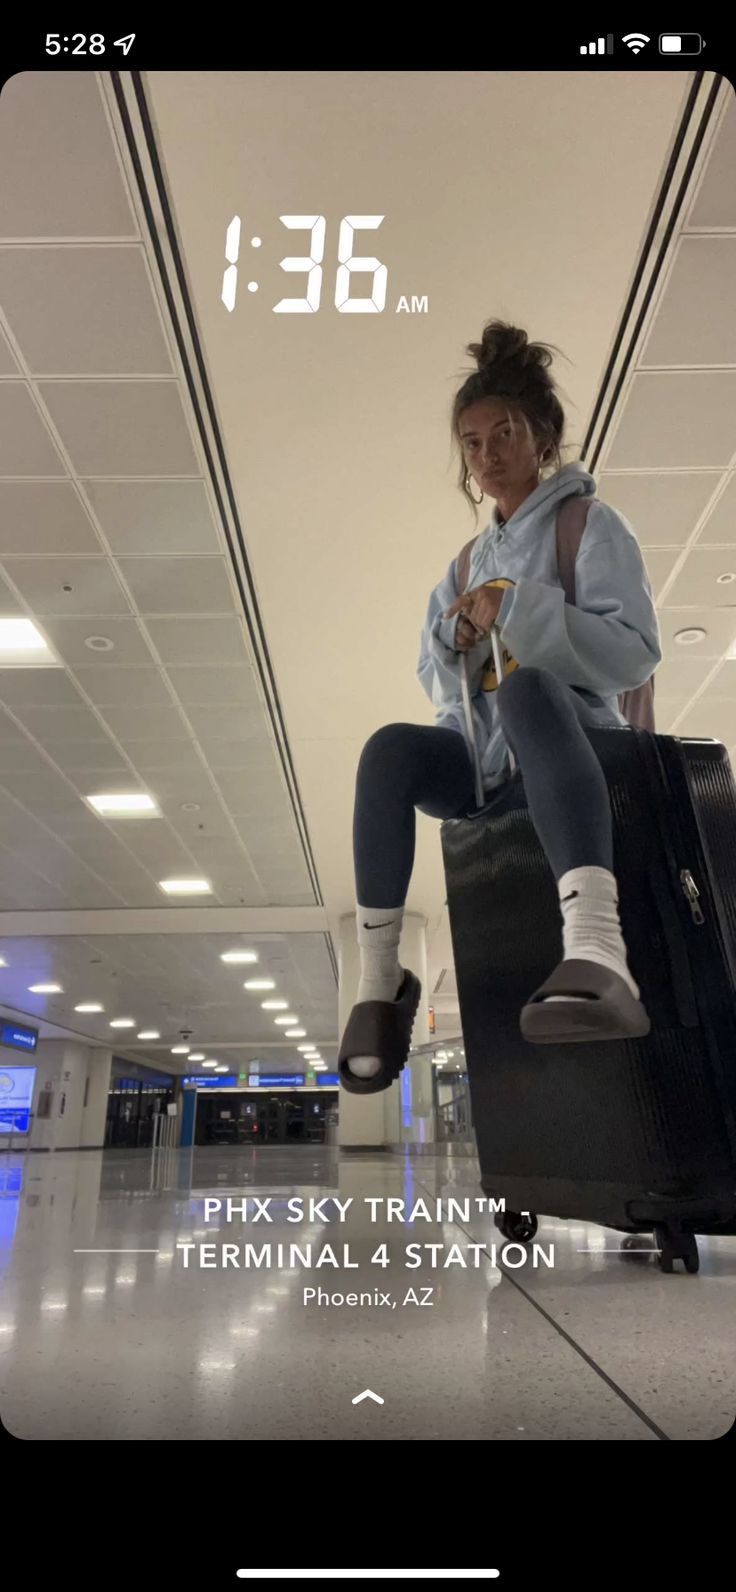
[(498, 448)]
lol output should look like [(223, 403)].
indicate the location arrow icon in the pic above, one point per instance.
[(367, 1394)]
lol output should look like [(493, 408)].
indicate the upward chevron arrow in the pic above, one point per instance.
[(367, 1394)]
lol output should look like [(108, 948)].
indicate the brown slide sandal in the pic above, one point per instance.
[(383, 1029), (607, 1009)]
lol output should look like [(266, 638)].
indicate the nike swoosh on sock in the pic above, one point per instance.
[(377, 925)]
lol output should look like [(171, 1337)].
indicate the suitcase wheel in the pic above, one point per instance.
[(520, 1226), (674, 1244)]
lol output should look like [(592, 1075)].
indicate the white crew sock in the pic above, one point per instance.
[(591, 927), (379, 933)]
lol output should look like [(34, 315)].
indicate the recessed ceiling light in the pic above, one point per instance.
[(125, 804), (3, 962), (190, 807), (282, 1022), (89, 1006), (148, 1033), (45, 989), (275, 1006), (304, 1048), (196, 1055), (185, 886), (123, 1022), (209, 1063), (725, 580), (220, 1069), (21, 645), (180, 1050), (239, 956), (686, 638), (99, 643), (259, 983), (295, 1033)]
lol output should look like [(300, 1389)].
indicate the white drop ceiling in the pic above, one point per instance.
[(529, 196)]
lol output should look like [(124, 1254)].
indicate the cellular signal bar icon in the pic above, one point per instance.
[(598, 46)]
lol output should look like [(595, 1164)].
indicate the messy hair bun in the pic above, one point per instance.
[(510, 367)]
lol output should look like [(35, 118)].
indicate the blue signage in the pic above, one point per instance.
[(209, 1082), (16, 1095), (17, 1037), (331, 1078), (279, 1080)]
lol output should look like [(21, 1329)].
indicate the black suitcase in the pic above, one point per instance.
[(637, 1135)]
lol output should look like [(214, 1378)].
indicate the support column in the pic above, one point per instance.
[(62, 1064), (99, 1064), (404, 1112)]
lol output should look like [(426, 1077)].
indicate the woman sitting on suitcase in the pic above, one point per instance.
[(566, 666)]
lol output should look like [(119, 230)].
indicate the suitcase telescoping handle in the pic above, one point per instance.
[(468, 711)]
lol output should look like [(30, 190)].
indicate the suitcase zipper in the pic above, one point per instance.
[(692, 893)]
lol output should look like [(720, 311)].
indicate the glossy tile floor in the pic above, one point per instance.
[(134, 1346)]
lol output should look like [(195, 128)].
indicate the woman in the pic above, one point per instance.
[(566, 666)]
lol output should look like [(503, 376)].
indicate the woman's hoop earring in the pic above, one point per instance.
[(476, 501)]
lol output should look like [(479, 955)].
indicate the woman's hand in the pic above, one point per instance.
[(479, 609)]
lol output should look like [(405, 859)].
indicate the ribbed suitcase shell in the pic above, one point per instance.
[(631, 1133)]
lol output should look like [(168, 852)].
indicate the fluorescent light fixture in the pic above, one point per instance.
[(196, 1055), (45, 989), (280, 1021), (89, 1006), (21, 644), (126, 804), (295, 1033), (185, 886), (304, 1048), (259, 983), (275, 1006), (239, 956), (3, 962), (149, 1033), (220, 1069), (180, 1050), (123, 1022), (209, 1063)]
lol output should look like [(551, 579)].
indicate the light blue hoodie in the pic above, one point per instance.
[(608, 643)]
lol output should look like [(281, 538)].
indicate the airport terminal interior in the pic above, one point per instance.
[(224, 501)]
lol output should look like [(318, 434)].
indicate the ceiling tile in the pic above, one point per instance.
[(711, 716), (68, 638), (64, 179), (25, 445), (662, 510), (51, 724), (95, 589), (672, 419), (8, 366), (202, 684), (37, 688), (107, 686), (154, 517), (681, 677), (723, 683), (43, 518), (179, 585), (659, 563), (697, 582), (140, 721), (110, 324), (193, 640), (720, 526), (719, 624), (9, 603), (149, 757), (120, 428), (97, 757), (230, 723), (690, 327), (715, 203)]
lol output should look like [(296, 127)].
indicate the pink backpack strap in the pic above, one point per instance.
[(462, 566), (637, 706)]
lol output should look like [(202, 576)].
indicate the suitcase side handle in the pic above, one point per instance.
[(468, 712)]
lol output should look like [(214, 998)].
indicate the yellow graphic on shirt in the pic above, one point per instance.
[(489, 681)]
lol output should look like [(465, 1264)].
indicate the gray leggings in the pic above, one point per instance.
[(552, 731)]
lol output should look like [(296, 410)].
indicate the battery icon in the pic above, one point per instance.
[(680, 43)]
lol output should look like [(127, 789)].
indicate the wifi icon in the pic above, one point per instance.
[(635, 41)]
